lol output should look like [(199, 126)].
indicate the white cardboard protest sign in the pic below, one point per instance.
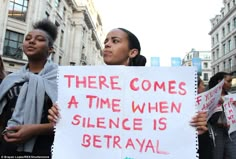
[(118, 112), (208, 100), (230, 111)]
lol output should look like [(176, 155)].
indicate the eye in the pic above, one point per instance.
[(27, 37), (40, 38), (115, 41)]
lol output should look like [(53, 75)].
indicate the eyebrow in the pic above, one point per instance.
[(115, 37), (35, 36)]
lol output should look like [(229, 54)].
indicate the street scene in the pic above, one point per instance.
[(128, 79)]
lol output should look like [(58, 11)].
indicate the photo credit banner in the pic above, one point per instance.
[(119, 112)]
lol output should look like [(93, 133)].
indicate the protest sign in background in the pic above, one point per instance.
[(123, 112), (230, 111), (209, 100)]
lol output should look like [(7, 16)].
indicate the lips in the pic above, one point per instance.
[(106, 53), (31, 48)]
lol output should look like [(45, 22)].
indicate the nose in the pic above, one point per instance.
[(32, 40), (107, 44)]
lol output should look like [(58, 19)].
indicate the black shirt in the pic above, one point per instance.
[(43, 143)]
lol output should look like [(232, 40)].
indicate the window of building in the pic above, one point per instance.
[(53, 56), (234, 21), (217, 53), (223, 32), (58, 25), (213, 55), (224, 65), (230, 63), (229, 28), (47, 15), (205, 76), (18, 9), (59, 62), (218, 68), (229, 45), (224, 49), (13, 45), (233, 64), (190, 56), (57, 3), (61, 38), (64, 13), (214, 71), (228, 6), (234, 41), (205, 65), (213, 41), (72, 63), (217, 38)]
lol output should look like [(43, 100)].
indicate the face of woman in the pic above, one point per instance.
[(227, 83), (201, 87), (35, 45), (116, 51)]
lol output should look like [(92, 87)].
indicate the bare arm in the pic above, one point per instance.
[(21, 133)]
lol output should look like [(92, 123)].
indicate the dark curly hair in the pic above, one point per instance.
[(49, 27), (214, 80)]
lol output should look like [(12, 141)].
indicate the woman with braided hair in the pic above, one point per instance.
[(26, 96)]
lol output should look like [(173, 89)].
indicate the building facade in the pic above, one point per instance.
[(79, 31), (223, 40), (204, 58)]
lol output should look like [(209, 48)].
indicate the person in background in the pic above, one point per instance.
[(225, 145), (200, 120), (26, 96), (2, 70), (204, 140)]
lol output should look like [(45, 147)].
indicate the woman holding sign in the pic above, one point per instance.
[(123, 48), (26, 96), (225, 145)]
